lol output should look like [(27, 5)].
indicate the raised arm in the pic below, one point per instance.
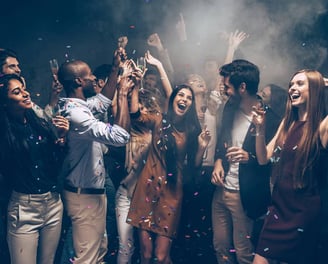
[(263, 152), (163, 55), (162, 73), (122, 117), (110, 86), (234, 40)]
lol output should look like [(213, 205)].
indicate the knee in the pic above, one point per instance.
[(146, 255), (162, 258)]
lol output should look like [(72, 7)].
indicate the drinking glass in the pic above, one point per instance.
[(54, 69), (141, 63)]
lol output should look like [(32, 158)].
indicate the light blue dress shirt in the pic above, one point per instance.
[(84, 165)]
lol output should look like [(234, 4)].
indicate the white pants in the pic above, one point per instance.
[(125, 230), (34, 226)]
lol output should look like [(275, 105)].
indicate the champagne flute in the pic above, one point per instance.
[(54, 69), (141, 63)]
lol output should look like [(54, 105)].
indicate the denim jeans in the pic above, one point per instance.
[(232, 229)]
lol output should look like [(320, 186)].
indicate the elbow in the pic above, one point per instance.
[(263, 161)]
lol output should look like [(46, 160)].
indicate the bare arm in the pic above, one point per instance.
[(263, 152), (162, 73), (234, 40), (163, 55), (110, 86), (122, 117)]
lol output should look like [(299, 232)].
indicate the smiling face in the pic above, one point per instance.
[(18, 98), (299, 90), (11, 66), (231, 91), (182, 102)]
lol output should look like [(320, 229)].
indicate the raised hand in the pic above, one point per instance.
[(154, 41), (122, 42), (235, 38), (152, 60), (119, 57), (181, 28)]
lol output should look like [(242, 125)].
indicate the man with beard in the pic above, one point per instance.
[(243, 191), (83, 169)]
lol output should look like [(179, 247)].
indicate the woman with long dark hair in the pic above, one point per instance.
[(156, 203), (299, 155), (29, 156)]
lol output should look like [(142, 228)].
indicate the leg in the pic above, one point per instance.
[(162, 250), (222, 229), (242, 228), (68, 249), (4, 252), (24, 221), (50, 232), (260, 260), (110, 218), (88, 213), (146, 246), (125, 230)]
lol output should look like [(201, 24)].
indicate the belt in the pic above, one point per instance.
[(230, 190), (48, 196), (84, 190)]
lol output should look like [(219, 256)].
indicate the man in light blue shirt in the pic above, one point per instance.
[(83, 169)]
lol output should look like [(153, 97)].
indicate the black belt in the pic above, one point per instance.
[(230, 190), (84, 190)]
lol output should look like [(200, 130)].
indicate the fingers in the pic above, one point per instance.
[(217, 179)]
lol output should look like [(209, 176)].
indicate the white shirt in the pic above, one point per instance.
[(240, 127)]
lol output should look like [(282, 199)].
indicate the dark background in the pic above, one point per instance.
[(284, 35)]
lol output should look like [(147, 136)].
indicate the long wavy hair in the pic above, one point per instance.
[(309, 145), (10, 142), (189, 124)]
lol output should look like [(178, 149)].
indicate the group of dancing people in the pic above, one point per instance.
[(262, 170)]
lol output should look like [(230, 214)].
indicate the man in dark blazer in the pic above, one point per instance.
[(243, 186)]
